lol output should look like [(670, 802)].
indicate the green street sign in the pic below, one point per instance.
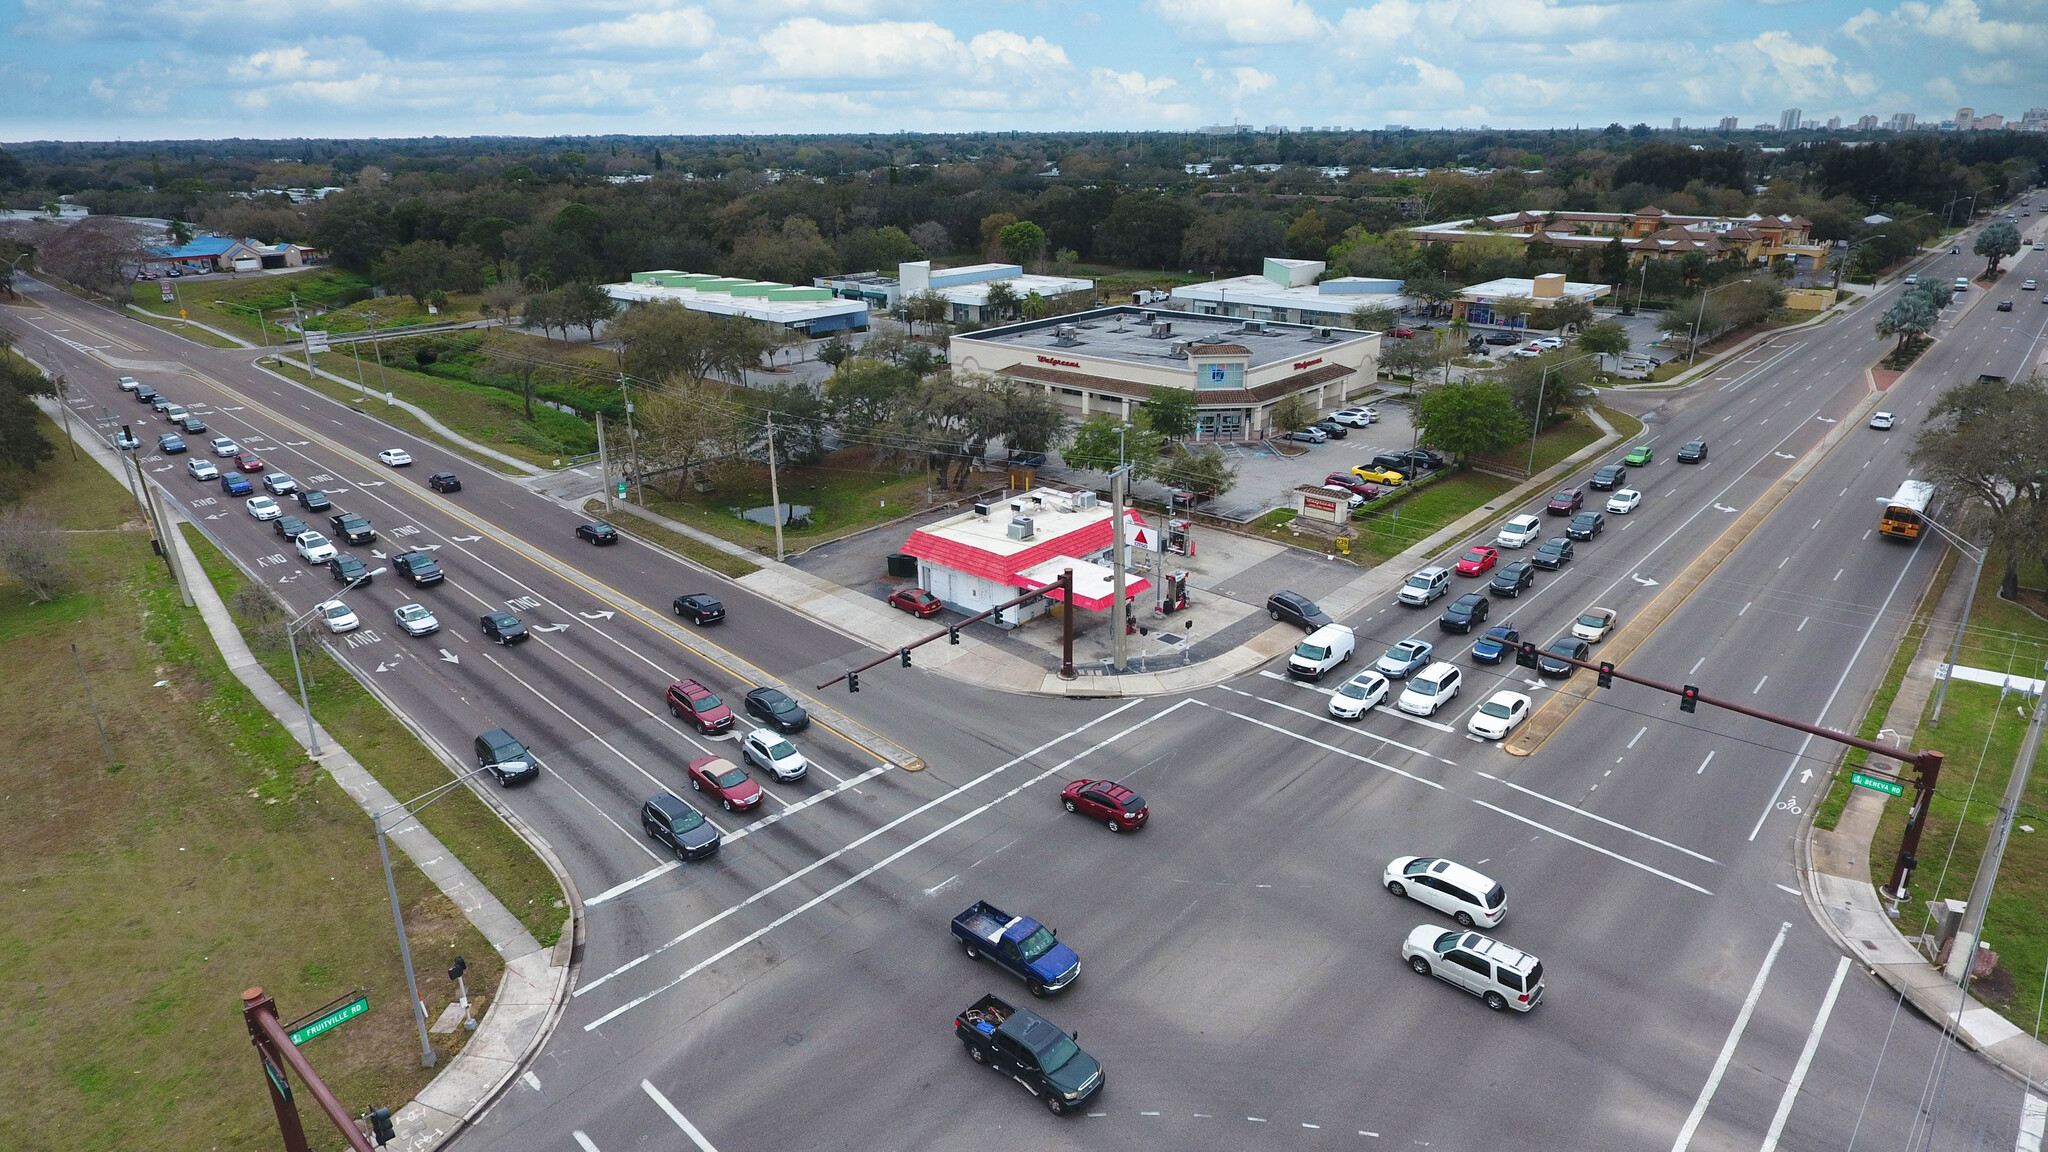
[(346, 1012), (1876, 784)]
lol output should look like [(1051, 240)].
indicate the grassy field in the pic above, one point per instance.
[(1384, 535), (1980, 733), (483, 414), (236, 305), (193, 854)]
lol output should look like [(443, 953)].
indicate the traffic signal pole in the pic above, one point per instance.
[(278, 1052), (1926, 764), (1064, 585)]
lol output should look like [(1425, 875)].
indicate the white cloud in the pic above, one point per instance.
[(1959, 22), (900, 51), (676, 28), (1944, 92), (1243, 21), (1997, 72), (1251, 81)]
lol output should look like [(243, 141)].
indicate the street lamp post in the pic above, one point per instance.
[(419, 1008), (1692, 350), (291, 640), (1955, 649), (1843, 257), (1542, 382)]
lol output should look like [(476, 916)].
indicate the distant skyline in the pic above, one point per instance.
[(154, 69)]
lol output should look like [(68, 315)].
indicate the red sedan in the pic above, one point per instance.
[(1107, 801), (248, 462), (1477, 561), (1351, 484), (916, 601), (1400, 333), (687, 698), (736, 791)]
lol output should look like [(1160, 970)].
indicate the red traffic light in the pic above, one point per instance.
[(1689, 699)]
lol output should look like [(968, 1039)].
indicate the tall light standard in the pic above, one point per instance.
[(1541, 383), (411, 808), (377, 350), (291, 638), (1842, 257), (1692, 350), (1955, 648)]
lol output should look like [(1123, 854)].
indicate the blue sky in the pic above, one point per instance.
[(136, 69)]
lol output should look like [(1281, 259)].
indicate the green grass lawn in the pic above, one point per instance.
[(235, 305), (195, 853), (487, 415), (716, 559)]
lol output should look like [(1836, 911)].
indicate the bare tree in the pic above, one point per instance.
[(32, 551), (100, 253)]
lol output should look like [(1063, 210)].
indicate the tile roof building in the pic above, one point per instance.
[(1649, 233)]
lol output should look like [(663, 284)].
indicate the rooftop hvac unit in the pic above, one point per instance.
[(1018, 505), (1021, 528), (1084, 501), (1161, 329), (1148, 318), (1323, 334), (1254, 326), (1178, 350), (981, 509)]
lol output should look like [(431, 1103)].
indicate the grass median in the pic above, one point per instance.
[(169, 846)]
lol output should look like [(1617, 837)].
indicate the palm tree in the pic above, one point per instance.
[(1034, 307)]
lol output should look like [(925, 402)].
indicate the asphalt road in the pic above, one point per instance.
[(1242, 984)]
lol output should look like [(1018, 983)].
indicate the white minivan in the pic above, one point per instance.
[(1322, 650)]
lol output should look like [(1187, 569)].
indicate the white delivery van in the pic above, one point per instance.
[(1322, 650)]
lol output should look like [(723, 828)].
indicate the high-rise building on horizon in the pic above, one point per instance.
[(1834, 123), (1866, 123), (1676, 123), (1728, 124), (1902, 121), (1788, 120), (1966, 119)]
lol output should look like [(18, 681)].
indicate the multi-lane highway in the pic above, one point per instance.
[(1242, 984)]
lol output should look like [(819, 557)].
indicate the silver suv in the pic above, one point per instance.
[(1425, 586)]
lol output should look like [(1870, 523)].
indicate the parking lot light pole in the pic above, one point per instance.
[(290, 638), (419, 1008), (1541, 382)]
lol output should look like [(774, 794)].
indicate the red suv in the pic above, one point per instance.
[(1565, 503), (687, 698), (1107, 801), (729, 782)]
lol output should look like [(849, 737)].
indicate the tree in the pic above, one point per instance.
[(1985, 444), (586, 306), (1103, 442), (1470, 418), (1614, 262), (422, 267), (1910, 317), (1021, 242), (1406, 357), (1030, 420), (992, 226), (1203, 469), (32, 551), (518, 360), (943, 425), (1562, 314), (931, 239), (1995, 243), (1308, 237), (926, 307), (663, 341), (1374, 317), (1608, 337), (685, 427), (1034, 306), (500, 299), (99, 253), (1509, 309), (1292, 413), (1172, 412), (22, 443), (1001, 301), (1434, 289), (835, 352), (795, 253), (865, 390), (1563, 389), (881, 249), (802, 419)]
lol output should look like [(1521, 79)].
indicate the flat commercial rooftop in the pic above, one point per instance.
[(1122, 333)]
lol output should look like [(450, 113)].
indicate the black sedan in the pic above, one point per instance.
[(1499, 641), (699, 608), (1585, 526), (444, 482), (1552, 553), (290, 527), (1568, 646), (1464, 612), (674, 823), (773, 707), (597, 532), (503, 627), (1513, 579), (1692, 452), (1609, 477), (314, 500)]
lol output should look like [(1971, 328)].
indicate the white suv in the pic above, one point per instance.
[(1471, 898), (1504, 977), (1519, 532), (1426, 585), (1430, 689)]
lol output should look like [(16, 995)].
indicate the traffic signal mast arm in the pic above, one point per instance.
[(1064, 585)]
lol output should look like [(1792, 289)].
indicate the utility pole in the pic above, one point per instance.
[(632, 442), (419, 1009), (774, 489), (64, 410), (1119, 646), (305, 344), (604, 463), (1962, 952)]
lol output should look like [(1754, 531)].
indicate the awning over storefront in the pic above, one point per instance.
[(1093, 583)]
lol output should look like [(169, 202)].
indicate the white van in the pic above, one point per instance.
[(1322, 650)]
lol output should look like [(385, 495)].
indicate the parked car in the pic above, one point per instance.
[(1585, 526), (1376, 475), (727, 782), (687, 699), (1351, 484), (773, 707), (503, 627), (1638, 456), (170, 444), (1352, 500), (1404, 659), (1565, 503), (200, 468), (1357, 696), (395, 457), (767, 750), (1608, 477), (1320, 651), (1477, 561), (1116, 806), (1624, 502), (1464, 613), (1426, 585), (1027, 460), (670, 821), (1464, 894), (1332, 429), (1692, 452), (699, 608), (1553, 553), (415, 620), (1305, 436), (1548, 664), (1503, 339), (1499, 641), (1296, 609), (916, 601), (1593, 625), (1499, 716), (1356, 417), (1430, 689), (444, 482), (1518, 532), (597, 532), (1501, 976), (1514, 579)]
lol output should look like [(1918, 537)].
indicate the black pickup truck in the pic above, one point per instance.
[(417, 567), (352, 527), (1029, 1049)]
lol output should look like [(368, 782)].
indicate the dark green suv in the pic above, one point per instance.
[(505, 757)]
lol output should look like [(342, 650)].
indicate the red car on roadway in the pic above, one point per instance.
[(1477, 561), (1351, 484), (1400, 333), (248, 462), (736, 791), (916, 601), (700, 705), (1107, 801), (1565, 503)]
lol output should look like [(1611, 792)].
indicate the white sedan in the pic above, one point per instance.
[(1882, 421), (1624, 502), (263, 508), (415, 619), (340, 617), (222, 446), (314, 548), (1358, 695), (200, 468), (1502, 713), (395, 457), (766, 749), (1352, 498)]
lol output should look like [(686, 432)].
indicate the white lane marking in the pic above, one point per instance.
[(1760, 685), (1638, 736), (1782, 563), (1703, 764), (1745, 607), (1557, 832), (624, 887), (532, 1081), (1788, 888), (583, 1142), (1696, 665), (835, 890), (1820, 1023), (676, 1115), (2033, 1123), (1756, 992), (1532, 793), (1803, 622), (1378, 710), (1839, 571)]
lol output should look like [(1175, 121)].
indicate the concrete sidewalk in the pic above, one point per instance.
[(1841, 896), (535, 986)]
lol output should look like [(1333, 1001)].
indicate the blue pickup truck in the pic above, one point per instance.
[(1027, 948)]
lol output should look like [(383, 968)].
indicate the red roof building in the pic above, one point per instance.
[(976, 560)]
